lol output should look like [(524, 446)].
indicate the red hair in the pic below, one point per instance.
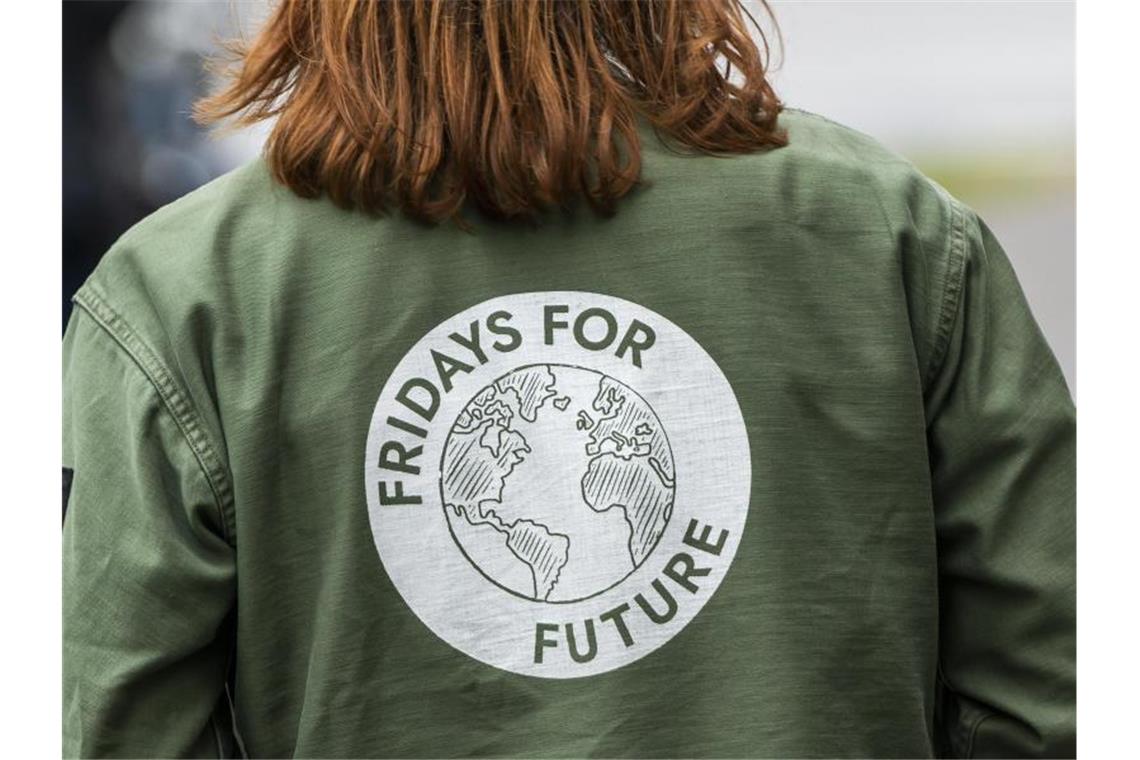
[(424, 105)]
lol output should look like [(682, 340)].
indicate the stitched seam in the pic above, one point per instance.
[(950, 298), (972, 727), (242, 751), (974, 733), (939, 344), (948, 315), (217, 735), (887, 226), (177, 403)]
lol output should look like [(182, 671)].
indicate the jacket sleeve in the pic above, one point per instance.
[(148, 575), (1001, 431)]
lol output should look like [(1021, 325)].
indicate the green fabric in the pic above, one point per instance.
[(904, 584)]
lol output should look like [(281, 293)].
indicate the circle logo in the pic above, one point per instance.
[(557, 482)]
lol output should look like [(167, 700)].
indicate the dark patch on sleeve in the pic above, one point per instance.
[(68, 474)]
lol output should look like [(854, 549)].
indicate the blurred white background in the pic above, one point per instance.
[(979, 94)]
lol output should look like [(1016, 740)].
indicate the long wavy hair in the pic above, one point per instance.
[(516, 106)]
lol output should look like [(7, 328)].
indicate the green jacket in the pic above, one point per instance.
[(775, 462)]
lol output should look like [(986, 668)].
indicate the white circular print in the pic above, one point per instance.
[(557, 482)]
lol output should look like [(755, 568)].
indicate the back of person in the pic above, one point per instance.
[(772, 462)]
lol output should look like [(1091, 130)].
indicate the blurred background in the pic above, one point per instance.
[(979, 94)]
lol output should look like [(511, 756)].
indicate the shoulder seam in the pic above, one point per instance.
[(176, 402), (924, 373), (955, 274), (964, 732)]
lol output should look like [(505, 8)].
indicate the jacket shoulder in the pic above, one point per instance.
[(174, 234), (838, 159), (845, 183), (188, 256), (168, 288)]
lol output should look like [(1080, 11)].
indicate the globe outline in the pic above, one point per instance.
[(443, 497)]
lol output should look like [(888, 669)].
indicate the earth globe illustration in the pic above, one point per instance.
[(557, 482)]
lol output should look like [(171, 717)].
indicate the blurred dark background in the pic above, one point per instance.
[(978, 95), (130, 73)]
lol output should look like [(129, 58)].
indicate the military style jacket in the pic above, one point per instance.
[(774, 462)]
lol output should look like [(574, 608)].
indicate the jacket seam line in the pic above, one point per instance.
[(971, 727), (923, 372), (906, 308), (948, 315), (175, 401), (974, 733)]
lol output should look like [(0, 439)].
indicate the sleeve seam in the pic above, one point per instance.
[(175, 401), (982, 718), (948, 314), (940, 341)]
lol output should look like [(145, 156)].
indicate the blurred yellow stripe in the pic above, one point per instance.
[(1000, 176)]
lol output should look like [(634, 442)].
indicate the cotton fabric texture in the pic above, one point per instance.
[(900, 583)]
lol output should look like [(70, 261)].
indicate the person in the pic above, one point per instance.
[(548, 388)]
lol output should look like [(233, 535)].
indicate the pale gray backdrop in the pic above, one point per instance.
[(978, 94)]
